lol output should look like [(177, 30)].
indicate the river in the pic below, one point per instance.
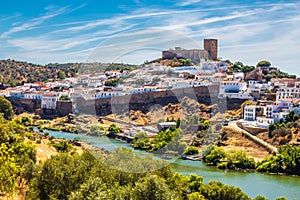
[(252, 183)]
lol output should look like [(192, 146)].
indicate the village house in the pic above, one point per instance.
[(234, 89), (49, 101), (204, 76), (34, 95), (263, 116), (288, 92)]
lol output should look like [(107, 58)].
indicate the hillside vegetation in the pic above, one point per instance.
[(17, 72)]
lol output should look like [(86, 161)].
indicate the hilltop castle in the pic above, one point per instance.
[(210, 52)]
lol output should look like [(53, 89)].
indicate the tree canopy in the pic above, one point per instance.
[(263, 63), (6, 108)]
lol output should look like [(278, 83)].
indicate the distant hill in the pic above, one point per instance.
[(18, 72)]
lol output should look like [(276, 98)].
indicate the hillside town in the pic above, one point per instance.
[(279, 95), (149, 100)]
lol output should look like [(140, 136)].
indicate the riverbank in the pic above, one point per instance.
[(253, 183)]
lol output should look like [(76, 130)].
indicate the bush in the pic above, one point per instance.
[(51, 138), (63, 146), (191, 151), (282, 132)]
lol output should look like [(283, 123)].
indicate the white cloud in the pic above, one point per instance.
[(188, 2), (32, 23), (9, 17), (267, 31)]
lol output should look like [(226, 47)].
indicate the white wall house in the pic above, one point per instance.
[(271, 113), (218, 77), (264, 122), (287, 92), (197, 83), (252, 112), (232, 87), (204, 76), (142, 90), (16, 94), (36, 95), (214, 66), (107, 94), (49, 101), (238, 75)]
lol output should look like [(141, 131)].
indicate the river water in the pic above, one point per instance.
[(252, 183)]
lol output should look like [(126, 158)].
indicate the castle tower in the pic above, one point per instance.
[(211, 46)]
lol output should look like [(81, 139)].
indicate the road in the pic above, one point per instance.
[(266, 145)]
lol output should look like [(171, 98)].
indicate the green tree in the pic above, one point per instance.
[(6, 108), (247, 69), (216, 190), (216, 155), (152, 187), (60, 175), (260, 198), (237, 66), (61, 75), (263, 63), (196, 196)]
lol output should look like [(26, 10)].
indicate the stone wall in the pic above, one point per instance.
[(144, 102), (24, 105), (64, 108), (123, 104), (21, 105)]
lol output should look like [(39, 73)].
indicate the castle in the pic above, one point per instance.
[(210, 52)]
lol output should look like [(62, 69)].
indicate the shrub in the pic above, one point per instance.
[(191, 151)]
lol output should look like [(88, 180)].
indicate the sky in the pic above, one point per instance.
[(132, 31)]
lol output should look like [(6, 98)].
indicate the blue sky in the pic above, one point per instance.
[(137, 30)]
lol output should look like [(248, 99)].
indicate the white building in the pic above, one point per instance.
[(252, 112), (266, 115), (204, 76), (234, 89), (288, 92), (108, 94), (218, 77), (214, 66), (16, 94), (197, 83), (142, 90), (238, 76), (49, 101), (264, 122), (34, 95)]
